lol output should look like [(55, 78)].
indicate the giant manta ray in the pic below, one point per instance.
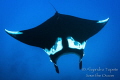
[(60, 34)]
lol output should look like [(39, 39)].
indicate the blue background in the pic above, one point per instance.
[(19, 61)]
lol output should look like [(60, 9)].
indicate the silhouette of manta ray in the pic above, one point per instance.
[(60, 34)]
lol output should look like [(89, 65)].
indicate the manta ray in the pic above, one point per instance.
[(60, 34)]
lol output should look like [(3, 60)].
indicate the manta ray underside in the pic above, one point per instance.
[(60, 34)]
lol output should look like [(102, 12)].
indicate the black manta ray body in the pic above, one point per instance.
[(60, 34)]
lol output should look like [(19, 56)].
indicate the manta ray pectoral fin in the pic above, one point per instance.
[(103, 21), (13, 32)]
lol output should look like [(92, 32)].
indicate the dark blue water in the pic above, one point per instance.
[(19, 61)]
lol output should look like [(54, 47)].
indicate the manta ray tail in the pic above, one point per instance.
[(53, 7)]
